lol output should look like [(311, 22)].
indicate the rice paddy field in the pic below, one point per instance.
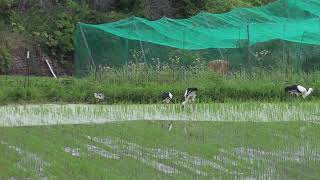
[(249, 140)]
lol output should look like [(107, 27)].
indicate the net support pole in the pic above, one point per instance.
[(319, 24), (141, 46), (300, 50), (127, 51), (248, 43), (285, 53), (283, 43), (205, 17), (183, 37), (86, 44), (142, 50)]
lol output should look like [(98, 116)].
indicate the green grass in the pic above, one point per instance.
[(285, 147), (203, 139), (147, 85), (52, 114)]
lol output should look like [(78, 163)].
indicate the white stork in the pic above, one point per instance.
[(299, 90), (189, 95), (167, 97), (99, 96)]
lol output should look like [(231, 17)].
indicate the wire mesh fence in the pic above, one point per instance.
[(281, 34)]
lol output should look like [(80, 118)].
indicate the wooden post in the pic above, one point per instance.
[(51, 70), (26, 76)]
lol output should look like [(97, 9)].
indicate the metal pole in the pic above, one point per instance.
[(300, 50), (211, 32), (141, 46), (283, 42), (248, 43), (86, 44), (183, 36), (285, 6), (127, 51), (142, 50)]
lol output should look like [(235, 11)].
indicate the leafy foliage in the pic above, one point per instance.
[(5, 9), (5, 60), (51, 24)]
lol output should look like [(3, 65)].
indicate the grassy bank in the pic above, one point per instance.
[(146, 86)]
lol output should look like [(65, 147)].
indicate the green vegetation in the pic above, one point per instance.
[(51, 24), (224, 141), (144, 149), (5, 60), (275, 138), (52, 114), (145, 85)]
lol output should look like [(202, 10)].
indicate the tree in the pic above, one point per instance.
[(5, 60), (155, 9), (103, 5)]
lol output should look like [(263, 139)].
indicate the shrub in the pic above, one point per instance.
[(5, 60)]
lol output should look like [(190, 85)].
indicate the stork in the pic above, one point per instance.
[(189, 95), (167, 97), (99, 96), (298, 90)]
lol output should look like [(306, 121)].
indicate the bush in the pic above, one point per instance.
[(5, 60), (5, 9)]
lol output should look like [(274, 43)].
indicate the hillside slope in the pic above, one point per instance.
[(46, 27)]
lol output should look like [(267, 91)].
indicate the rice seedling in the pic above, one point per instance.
[(274, 139), (229, 141), (51, 114)]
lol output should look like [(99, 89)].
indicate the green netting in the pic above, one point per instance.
[(293, 24)]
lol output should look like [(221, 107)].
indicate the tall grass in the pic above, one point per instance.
[(145, 85)]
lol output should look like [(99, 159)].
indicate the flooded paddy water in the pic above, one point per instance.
[(215, 141)]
